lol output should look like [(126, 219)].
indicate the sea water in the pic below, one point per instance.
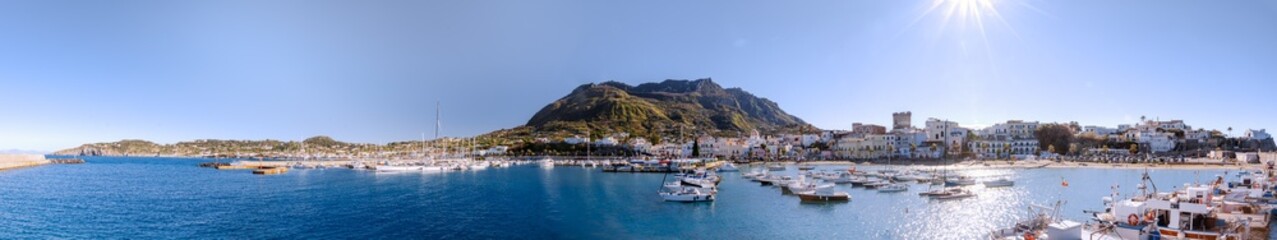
[(149, 198)]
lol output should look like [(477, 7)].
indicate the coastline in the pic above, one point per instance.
[(1032, 164)]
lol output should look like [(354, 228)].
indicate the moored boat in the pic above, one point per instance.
[(824, 193), (1003, 182), (688, 194)]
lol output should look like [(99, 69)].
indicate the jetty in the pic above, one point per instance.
[(14, 161)]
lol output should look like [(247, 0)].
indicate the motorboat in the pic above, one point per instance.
[(959, 181), (547, 163), (394, 168), (688, 194), (958, 194), (806, 167), (1003, 182), (728, 167), (861, 181), (894, 187), (939, 192), (776, 167), (877, 184), (698, 181), (824, 193)]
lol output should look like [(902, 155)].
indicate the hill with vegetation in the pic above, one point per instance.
[(663, 109)]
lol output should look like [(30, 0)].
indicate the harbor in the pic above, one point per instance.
[(570, 201)]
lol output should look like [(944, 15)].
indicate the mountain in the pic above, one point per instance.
[(665, 108)]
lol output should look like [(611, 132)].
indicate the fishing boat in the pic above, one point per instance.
[(824, 193), (1003, 182), (688, 194), (1043, 223)]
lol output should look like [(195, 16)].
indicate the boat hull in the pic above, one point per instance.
[(824, 198)]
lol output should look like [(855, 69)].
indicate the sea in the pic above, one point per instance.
[(172, 198)]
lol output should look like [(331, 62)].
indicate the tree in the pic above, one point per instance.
[(1053, 134), (933, 148), (1135, 148), (696, 147)]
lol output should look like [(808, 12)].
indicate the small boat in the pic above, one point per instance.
[(547, 163), (959, 194), (959, 181), (390, 168), (698, 182), (824, 193), (688, 194), (806, 167), (999, 183), (861, 181), (895, 187), (877, 184), (938, 192), (840, 178), (729, 167), (432, 169), (776, 167)]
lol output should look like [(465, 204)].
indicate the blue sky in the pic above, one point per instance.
[(74, 72)]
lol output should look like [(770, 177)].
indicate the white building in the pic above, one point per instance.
[(999, 148), (1253, 134), (946, 131), (1156, 142), (575, 139), (640, 145), (607, 141)]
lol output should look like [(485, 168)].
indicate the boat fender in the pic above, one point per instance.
[(1133, 219), (1028, 236)]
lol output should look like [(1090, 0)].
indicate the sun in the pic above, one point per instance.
[(966, 13)]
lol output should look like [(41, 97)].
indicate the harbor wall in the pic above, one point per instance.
[(11, 161)]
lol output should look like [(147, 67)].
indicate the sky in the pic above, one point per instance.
[(74, 72)]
